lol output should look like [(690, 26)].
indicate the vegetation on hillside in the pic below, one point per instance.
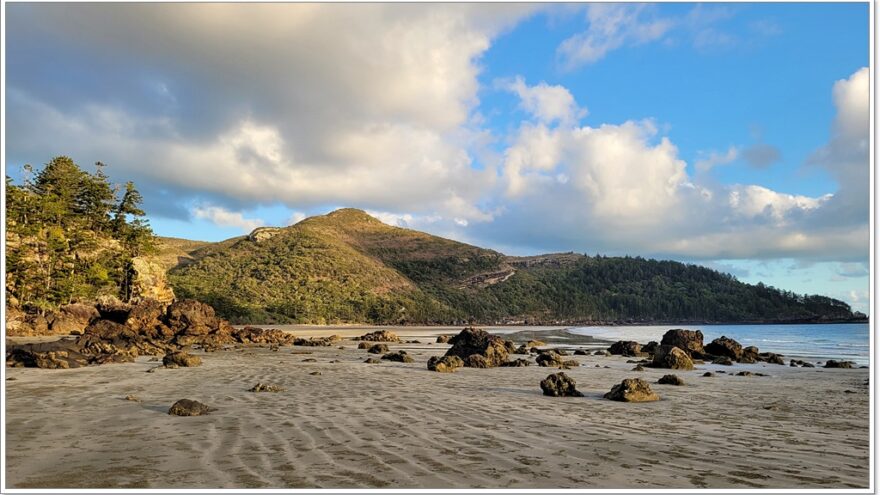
[(70, 235), (349, 267)]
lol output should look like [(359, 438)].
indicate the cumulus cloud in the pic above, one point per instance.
[(225, 218)]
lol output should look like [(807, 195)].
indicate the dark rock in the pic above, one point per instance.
[(378, 349), (581, 352), (670, 380), (638, 367), (744, 373), (723, 360), (264, 387), (190, 317), (187, 407), (690, 341), (399, 356), (726, 347), (838, 364), (625, 348), (473, 341), (317, 341), (444, 364), (549, 358), (633, 390), (772, 358), (364, 345), (476, 361), (182, 359), (650, 347), (708, 374), (443, 339), (315, 373), (510, 347), (809, 365), (522, 350), (517, 363), (380, 336), (560, 385), (372, 361), (602, 353), (671, 357), (750, 355)]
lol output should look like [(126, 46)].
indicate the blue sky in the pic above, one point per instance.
[(732, 135)]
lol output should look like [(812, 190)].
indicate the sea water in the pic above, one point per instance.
[(845, 341)]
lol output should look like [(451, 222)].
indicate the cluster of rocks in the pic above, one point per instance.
[(380, 336), (119, 333)]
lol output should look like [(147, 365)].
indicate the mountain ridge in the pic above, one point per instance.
[(349, 267)]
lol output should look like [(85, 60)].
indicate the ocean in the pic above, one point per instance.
[(848, 341)]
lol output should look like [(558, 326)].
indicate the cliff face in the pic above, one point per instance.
[(148, 281)]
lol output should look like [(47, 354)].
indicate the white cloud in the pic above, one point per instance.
[(752, 201), (225, 218), (547, 103), (714, 159)]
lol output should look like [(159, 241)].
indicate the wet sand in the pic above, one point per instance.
[(395, 425)]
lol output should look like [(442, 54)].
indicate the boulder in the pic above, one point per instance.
[(708, 374), (522, 350), (380, 336), (190, 317), (570, 363), (723, 360), (634, 390), (772, 358), (444, 364), (726, 347), (364, 345), (372, 361), (187, 407), (181, 359), (399, 356), (378, 349), (443, 339), (581, 352), (650, 347), (476, 361), (602, 353), (72, 319), (671, 357), (560, 385), (670, 380), (264, 387), (690, 341), (145, 318), (473, 341), (638, 367), (625, 348), (831, 363), (750, 355), (549, 359), (517, 363), (744, 373), (535, 343)]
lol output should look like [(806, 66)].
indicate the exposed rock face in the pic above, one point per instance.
[(726, 347), (149, 282), (838, 364), (187, 407), (399, 356), (444, 364), (189, 317), (72, 319), (690, 341), (560, 385), (671, 380), (549, 359), (625, 348), (378, 349), (380, 336), (634, 390), (181, 359), (61, 354), (671, 357), (261, 234), (473, 341)]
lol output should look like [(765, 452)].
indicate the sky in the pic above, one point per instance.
[(735, 136)]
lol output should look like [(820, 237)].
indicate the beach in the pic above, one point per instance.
[(397, 425)]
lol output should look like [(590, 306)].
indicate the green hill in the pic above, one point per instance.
[(348, 267)]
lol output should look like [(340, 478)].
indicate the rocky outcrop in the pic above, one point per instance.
[(181, 359), (690, 341), (517, 363), (399, 356), (633, 390), (378, 349), (670, 380), (380, 336), (560, 385), (831, 363), (650, 347), (726, 347), (187, 407), (148, 281), (261, 234), (625, 348), (671, 357), (475, 342), (444, 364), (549, 359)]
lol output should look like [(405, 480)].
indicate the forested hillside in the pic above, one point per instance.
[(349, 267)]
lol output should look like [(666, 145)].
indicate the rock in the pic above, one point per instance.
[(261, 234), (148, 281), (72, 319), (444, 364), (380, 336), (187, 407), (472, 341), (602, 353), (560, 385), (443, 339), (510, 347), (364, 345), (650, 347), (638, 367), (132, 398), (625, 348), (571, 363), (317, 341), (181, 359), (399, 356), (111, 308), (378, 349), (838, 364), (315, 373), (690, 341), (11, 378), (726, 347), (744, 373), (61, 354), (671, 357), (517, 363), (708, 374), (263, 387), (535, 343), (309, 360), (772, 358), (522, 350), (190, 317), (145, 318), (581, 352), (808, 365), (549, 358), (476, 361), (372, 361), (634, 390), (670, 380), (722, 360), (750, 355)]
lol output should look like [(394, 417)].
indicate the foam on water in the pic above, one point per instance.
[(849, 341)]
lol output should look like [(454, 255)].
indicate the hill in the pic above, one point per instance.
[(348, 267)]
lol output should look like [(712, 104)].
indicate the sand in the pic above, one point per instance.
[(395, 425)]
